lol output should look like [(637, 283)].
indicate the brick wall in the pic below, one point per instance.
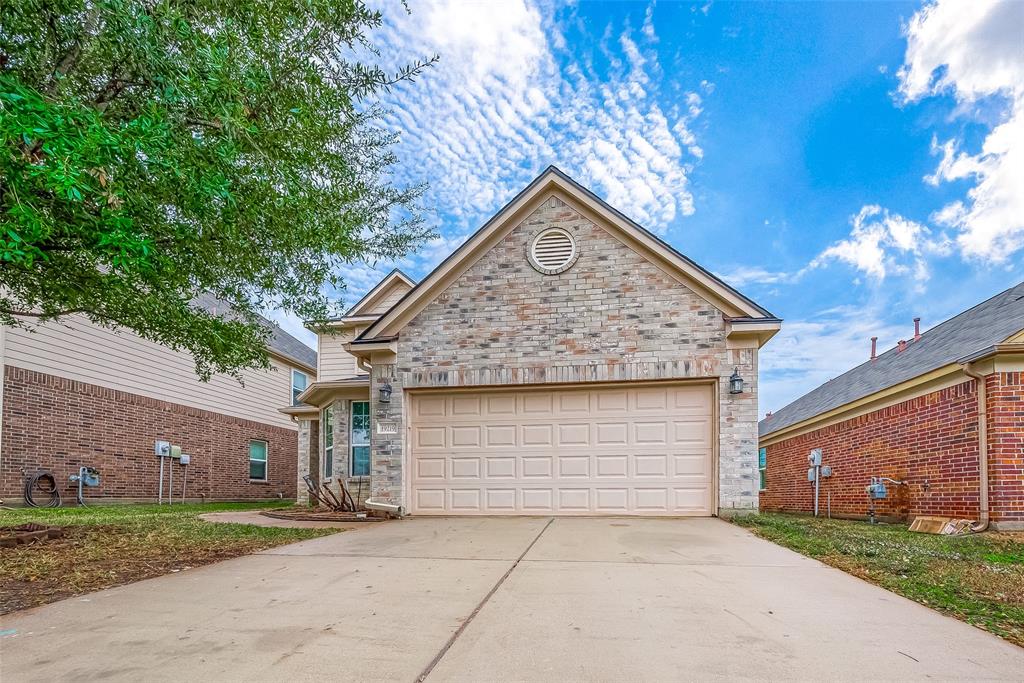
[(59, 424), (930, 441), (613, 315), (1006, 445)]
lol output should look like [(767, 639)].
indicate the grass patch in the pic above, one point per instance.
[(978, 579), (116, 544)]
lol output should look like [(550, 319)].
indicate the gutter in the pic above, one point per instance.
[(984, 522)]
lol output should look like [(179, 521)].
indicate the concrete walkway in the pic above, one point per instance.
[(505, 599), (256, 519)]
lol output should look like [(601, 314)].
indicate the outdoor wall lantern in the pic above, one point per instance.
[(736, 382), (385, 393)]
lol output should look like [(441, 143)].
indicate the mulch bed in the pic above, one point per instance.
[(319, 516)]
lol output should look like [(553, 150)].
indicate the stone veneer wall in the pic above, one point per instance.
[(613, 316), (309, 457), (340, 411)]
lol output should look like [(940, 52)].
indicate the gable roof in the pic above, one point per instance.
[(365, 305), (280, 343), (705, 283), (952, 341)]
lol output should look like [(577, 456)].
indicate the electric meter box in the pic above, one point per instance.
[(814, 457), (185, 459), (810, 474)]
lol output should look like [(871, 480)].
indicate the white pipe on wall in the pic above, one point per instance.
[(983, 522)]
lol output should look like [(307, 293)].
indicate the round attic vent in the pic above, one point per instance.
[(553, 251)]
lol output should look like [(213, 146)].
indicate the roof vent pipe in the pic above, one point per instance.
[(874, 347), (917, 329)]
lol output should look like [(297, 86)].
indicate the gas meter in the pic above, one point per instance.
[(876, 490)]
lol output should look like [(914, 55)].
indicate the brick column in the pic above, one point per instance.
[(308, 456), (386, 475), (1006, 448), (737, 443)]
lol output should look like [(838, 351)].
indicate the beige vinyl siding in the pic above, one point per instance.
[(389, 298), (124, 361), (334, 362)]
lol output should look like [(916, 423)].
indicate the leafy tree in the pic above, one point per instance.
[(157, 151)]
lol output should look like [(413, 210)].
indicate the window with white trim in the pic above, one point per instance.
[(359, 439), (327, 420), (762, 468), (258, 460), (300, 381)]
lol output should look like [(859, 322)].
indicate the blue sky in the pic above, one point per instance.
[(847, 165)]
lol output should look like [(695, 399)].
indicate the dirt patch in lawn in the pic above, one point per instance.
[(143, 543)]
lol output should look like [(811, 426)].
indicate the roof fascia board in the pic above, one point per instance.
[(1015, 338), (761, 331), (509, 217), (285, 358), (994, 350), (940, 378), (459, 261), (300, 411), (315, 393), (363, 349), (659, 252), (378, 291)]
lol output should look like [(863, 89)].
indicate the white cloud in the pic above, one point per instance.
[(882, 244), (648, 27), (755, 275), (975, 50), (506, 99), (809, 352)]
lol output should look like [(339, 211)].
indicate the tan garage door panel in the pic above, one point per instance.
[(643, 449)]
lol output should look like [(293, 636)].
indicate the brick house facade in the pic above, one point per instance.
[(59, 424), (923, 431), (75, 394), (626, 318)]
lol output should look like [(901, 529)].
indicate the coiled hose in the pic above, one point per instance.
[(42, 476)]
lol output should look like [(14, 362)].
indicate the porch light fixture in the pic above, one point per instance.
[(736, 382), (385, 393)]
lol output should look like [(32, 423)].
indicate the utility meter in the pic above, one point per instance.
[(814, 457)]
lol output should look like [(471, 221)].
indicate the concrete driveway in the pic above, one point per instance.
[(504, 599)]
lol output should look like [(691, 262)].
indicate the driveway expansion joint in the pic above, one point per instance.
[(472, 615)]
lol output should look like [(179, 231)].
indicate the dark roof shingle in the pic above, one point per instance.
[(978, 328), (280, 341)]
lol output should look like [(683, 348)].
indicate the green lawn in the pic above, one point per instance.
[(116, 544), (977, 578)]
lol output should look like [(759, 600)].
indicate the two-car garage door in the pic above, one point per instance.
[(643, 449)]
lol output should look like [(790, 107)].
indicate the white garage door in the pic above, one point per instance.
[(624, 449)]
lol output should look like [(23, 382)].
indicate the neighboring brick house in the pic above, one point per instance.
[(913, 414), (562, 361), (77, 394)]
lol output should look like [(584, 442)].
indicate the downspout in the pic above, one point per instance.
[(982, 523), (363, 365)]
